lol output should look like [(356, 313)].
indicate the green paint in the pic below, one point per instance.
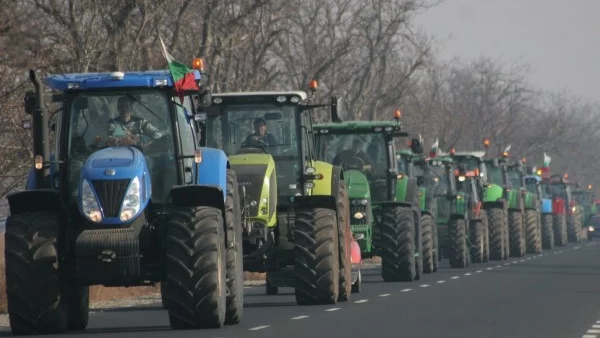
[(357, 183), (401, 186), (492, 193)]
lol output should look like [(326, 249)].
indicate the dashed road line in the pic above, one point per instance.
[(454, 277), (361, 301), (467, 274), (441, 281), (385, 295), (406, 290), (506, 263), (259, 327), (478, 271), (589, 336), (489, 269), (333, 309), (299, 317), (424, 285), (498, 266), (522, 261)]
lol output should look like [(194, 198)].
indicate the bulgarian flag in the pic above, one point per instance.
[(434, 148), (183, 76), (547, 160)]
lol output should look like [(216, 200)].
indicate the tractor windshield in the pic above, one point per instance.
[(495, 176), (531, 186), (365, 152), (582, 198), (440, 179), (258, 128), (558, 190), (514, 178), (403, 164), (140, 118)]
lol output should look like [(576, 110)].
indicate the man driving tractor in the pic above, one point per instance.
[(260, 134), (350, 157)]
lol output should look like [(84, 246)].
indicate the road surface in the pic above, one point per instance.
[(556, 294)]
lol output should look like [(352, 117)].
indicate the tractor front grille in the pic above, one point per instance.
[(111, 194), (359, 208)]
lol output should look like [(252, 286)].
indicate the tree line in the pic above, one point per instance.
[(370, 53)]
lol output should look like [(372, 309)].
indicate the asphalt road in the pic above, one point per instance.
[(556, 294)]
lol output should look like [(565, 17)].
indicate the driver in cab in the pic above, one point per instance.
[(348, 157), (260, 134), (127, 129)]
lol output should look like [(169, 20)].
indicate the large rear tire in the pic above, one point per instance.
[(459, 251), (532, 234), (235, 259), (547, 232), (559, 225), (398, 244), (477, 239), (496, 233), (436, 251), (316, 253), (196, 285), (574, 227), (429, 249), (33, 283), (345, 241), (515, 222), (486, 237)]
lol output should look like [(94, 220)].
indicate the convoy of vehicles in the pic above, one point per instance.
[(150, 181)]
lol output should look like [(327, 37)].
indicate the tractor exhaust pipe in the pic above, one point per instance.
[(41, 145)]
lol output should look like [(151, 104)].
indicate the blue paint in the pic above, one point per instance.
[(130, 163), (213, 169), (546, 206), (87, 81), (31, 181)]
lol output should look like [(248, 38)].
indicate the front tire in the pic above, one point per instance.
[(574, 227), (397, 228), (344, 240), (547, 232), (457, 232), (429, 247), (235, 259), (534, 243), (559, 225), (196, 268), (515, 222), (33, 283), (496, 233)]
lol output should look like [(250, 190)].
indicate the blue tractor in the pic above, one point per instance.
[(111, 207)]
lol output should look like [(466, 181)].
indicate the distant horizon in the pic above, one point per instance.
[(559, 40)]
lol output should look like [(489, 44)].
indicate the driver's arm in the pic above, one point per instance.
[(150, 130)]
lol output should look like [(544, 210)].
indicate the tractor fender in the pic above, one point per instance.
[(325, 185), (494, 204), (315, 201), (35, 201), (195, 195), (546, 206), (212, 171), (407, 192), (492, 193)]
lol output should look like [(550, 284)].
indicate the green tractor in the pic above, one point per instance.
[(532, 224), (384, 204), (494, 199), (295, 207), (584, 198)]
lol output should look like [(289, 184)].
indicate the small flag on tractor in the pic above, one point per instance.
[(183, 76), (547, 160), (434, 148)]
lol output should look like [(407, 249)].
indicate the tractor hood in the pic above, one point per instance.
[(358, 185), (114, 163)]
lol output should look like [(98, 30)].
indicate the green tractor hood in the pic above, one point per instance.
[(358, 185)]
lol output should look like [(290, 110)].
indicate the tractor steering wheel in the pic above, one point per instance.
[(354, 163), (255, 144)]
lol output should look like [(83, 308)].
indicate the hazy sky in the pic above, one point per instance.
[(560, 39)]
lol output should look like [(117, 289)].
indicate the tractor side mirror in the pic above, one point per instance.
[(204, 98), (29, 102), (416, 146), (336, 105)]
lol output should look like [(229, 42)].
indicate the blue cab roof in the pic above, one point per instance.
[(536, 177), (90, 81)]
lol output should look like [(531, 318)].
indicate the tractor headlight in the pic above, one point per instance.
[(574, 208), (591, 229), (360, 202), (359, 215), (131, 202), (89, 203), (461, 178)]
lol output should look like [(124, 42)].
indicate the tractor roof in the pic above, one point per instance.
[(86, 81), (302, 94), (479, 154), (536, 177), (355, 126), (407, 152)]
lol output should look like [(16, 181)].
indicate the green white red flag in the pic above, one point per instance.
[(183, 76)]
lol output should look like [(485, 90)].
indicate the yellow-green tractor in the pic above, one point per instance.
[(295, 208)]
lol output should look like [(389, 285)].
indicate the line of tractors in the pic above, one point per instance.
[(204, 195)]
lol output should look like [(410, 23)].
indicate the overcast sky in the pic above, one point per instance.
[(560, 39)]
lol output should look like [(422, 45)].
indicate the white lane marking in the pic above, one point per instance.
[(424, 285), (467, 274), (361, 301), (406, 290), (498, 266), (299, 317), (478, 271), (333, 309), (589, 336), (385, 295), (506, 263), (529, 258), (522, 261), (515, 262), (489, 269), (454, 277), (596, 326), (593, 331), (441, 281), (247, 287), (259, 328)]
